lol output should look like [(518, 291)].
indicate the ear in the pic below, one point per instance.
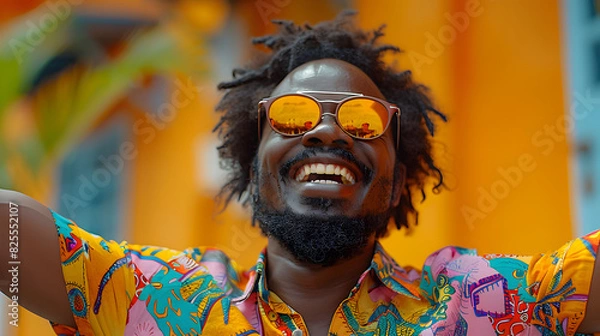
[(399, 181)]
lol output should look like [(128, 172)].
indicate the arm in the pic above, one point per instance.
[(591, 322), (41, 288)]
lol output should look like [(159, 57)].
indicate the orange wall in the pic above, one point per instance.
[(500, 81), (499, 78)]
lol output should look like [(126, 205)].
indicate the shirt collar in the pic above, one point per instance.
[(392, 275), (383, 268)]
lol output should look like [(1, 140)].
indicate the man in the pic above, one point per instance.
[(365, 132), (323, 196)]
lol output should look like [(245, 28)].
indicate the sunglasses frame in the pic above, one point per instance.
[(392, 109)]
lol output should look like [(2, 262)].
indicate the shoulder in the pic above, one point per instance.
[(484, 283), (502, 292), (191, 262), (465, 266), (452, 261), (459, 261), (228, 274), (146, 262)]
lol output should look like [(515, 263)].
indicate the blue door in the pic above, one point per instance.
[(581, 21)]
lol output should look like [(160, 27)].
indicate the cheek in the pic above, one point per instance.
[(381, 192), (267, 173), (381, 155), (382, 158), (267, 184), (272, 152)]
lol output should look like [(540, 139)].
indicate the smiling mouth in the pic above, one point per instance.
[(324, 173)]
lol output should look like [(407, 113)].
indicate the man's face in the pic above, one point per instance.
[(367, 166)]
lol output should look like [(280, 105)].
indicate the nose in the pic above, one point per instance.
[(327, 133)]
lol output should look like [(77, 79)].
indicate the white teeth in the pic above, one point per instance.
[(325, 182), (320, 168), (329, 169), (325, 169)]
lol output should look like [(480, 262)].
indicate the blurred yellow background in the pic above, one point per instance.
[(497, 68)]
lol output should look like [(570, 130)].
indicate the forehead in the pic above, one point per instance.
[(327, 75)]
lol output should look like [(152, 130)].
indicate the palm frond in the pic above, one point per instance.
[(69, 105), (25, 47)]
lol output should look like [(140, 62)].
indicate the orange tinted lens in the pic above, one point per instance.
[(363, 117), (293, 114)]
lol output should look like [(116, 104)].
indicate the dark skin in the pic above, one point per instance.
[(315, 291)]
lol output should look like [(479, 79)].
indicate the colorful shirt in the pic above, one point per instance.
[(120, 288)]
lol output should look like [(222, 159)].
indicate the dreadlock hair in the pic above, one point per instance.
[(340, 39)]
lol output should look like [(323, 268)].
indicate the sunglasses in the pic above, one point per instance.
[(361, 117)]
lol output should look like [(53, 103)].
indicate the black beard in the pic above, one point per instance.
[(317, 240)]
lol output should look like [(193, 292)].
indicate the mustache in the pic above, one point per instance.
[(341, 153)]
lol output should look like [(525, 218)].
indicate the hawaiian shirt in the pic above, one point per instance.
[(124, 289)]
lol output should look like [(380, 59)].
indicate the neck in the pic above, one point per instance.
[(302, 285)]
